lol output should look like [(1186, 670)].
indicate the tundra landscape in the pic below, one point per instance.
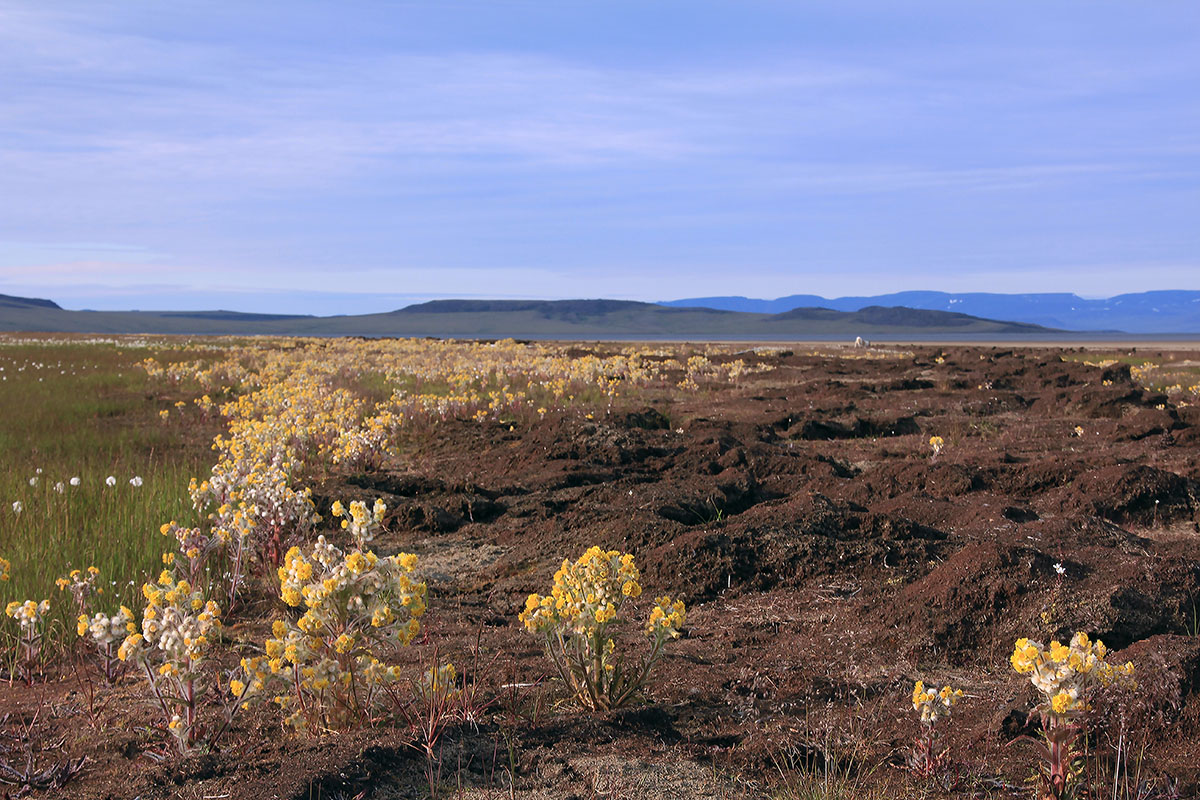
[(622, 400), (338, 568)]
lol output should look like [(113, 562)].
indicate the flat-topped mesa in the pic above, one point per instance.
[(549, 307)]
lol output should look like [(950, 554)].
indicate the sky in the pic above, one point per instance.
[(340, 158)]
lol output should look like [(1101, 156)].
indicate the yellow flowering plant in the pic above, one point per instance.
[(578, 622), (936, 443), (248, 509), (250, 502), (438, 684), (106, 632), (212, 555), (194, 547), (5, 569), (357, 607), (30, 616), (1066, 677), (177, 633), (249, 680), (361, 524), (82, 586), (931, 705)]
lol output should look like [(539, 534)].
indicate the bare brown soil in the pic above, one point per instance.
[(828, 561)]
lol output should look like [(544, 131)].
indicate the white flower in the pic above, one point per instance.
[(33, 481), (1060, 569), (38, 470), (17, 507), (74, 481), (59, 487), (136, 480), (110, 481)]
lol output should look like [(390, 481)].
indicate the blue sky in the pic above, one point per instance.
[(354, 157)]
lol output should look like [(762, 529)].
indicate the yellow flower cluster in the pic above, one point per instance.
[(251, 680), (700, 368), (5, 568), (936, 443), (360, 523), (81, 584), (178, 629), (933, 705), (28, 614), (1143, 373), (666, 618), (178, 626), (107, 630), (358, 607), (575, 621), (586, 594), (1064, 674), (438, 685), (251, 495), (107, 633), (31, 616), (77, 577), (193, 544), (433, 380)]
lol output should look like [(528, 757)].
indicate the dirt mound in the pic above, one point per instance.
[(1146, 422), (939, 479), (1136, 494), (975, 601), (1127, 605), (857, 427), (732, 492), (648, 418), (991, 403), (782, 544), (1169, 675)]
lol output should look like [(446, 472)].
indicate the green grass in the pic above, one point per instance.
[(89, 411), (1162, 376)]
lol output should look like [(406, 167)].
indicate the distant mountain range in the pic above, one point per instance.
[(1145, 312), (545, 319)]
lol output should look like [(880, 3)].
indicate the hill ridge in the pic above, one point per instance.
[(1157, 311), (550, 319), (12, 301)]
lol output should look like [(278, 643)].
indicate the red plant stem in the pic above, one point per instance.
[(641, 679), (190, 698), (154, 688), (232, 713)]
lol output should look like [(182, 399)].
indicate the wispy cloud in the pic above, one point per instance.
[(202, 150)]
